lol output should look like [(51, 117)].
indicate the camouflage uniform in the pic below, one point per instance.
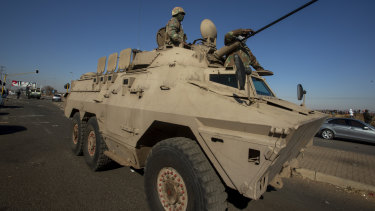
[(174, 32), (244, 52)]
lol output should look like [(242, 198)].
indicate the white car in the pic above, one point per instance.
[(56, 98)]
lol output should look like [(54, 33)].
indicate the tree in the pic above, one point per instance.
[(48, 89)]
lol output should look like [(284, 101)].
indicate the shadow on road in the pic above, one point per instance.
[(354, 141), (3, 113), (239, 201), (12, 107), (9, 129)]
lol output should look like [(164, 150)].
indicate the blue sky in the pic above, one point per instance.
[(328, 47)]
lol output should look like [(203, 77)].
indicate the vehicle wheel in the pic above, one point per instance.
[(178, 176), (327, 134), (94, 146), (77, 134)]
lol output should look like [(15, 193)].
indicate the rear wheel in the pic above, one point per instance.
[(327, 134), (77, 134), (94, 147), (179, 177)]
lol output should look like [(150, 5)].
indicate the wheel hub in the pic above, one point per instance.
[(327, 134), (171, 189), (75, 134), (91, 143)]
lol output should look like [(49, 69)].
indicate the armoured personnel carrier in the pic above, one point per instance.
[(195, 125), (33, 93)]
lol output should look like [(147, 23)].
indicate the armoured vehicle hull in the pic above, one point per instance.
[(246, 136), (196, 118)]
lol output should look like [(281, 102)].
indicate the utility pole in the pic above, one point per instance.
[(2, 80), (2, 69)]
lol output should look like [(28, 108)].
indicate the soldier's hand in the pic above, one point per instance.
[(247, 31)]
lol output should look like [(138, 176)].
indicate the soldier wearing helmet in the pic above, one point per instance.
[(244, 52), (174, 33)]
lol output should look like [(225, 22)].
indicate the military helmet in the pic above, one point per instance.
[(177, 10)]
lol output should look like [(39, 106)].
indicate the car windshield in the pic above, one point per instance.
[(230, 80)]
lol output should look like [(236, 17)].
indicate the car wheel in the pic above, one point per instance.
[(327, 134), (178, 176), (94, 146), (77, 134)]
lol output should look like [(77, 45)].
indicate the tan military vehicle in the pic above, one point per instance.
[(195, 125)]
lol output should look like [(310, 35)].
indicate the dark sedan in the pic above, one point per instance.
[(347, 128)]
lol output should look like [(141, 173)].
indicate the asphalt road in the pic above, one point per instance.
[(346, 145), (39, 172)]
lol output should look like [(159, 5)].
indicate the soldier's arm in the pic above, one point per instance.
[(230, 36)]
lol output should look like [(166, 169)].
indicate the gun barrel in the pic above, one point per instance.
[(282, 18)]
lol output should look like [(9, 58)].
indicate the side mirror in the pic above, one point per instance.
[(300, 92), (240, 72)]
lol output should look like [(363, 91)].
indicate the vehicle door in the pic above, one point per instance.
[(359, 132), (341, 127)]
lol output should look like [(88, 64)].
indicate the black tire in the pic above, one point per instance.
[(182, 157), (94, 146), (77, 134), (327, 134)]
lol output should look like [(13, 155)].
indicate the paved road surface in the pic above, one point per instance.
[(346, 145), (38, 172)]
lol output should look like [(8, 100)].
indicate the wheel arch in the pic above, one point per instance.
[(73, 112), (88, 115), (159, 131)]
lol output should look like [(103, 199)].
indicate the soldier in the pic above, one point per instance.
[(244, 52), (367, 117), (174, 33)]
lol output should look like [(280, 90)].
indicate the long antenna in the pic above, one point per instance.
[(139, 25), (282, 18)]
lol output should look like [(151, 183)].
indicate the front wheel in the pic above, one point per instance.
[(327, 134), (178, 176)]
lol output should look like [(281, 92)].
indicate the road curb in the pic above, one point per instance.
[(334, 180)]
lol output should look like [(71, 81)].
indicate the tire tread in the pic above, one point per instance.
[(214, 190)]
